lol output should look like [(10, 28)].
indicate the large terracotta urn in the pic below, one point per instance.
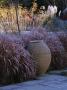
[(41, 54)]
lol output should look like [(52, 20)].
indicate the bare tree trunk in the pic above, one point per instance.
[(15, 3), (16, 8)]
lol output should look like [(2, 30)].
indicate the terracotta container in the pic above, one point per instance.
[(41, 53)]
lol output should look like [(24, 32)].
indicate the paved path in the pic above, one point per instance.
[(45, 82)]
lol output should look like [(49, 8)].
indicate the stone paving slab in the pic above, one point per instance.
[(45, 82)]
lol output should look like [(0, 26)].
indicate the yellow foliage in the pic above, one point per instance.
[(26, 18)]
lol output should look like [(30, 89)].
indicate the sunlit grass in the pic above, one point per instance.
[(26, 19)]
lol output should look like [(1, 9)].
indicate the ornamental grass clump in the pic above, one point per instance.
[(41, 30), (63, 38), (16, 64), (13, 38), (57, 51), (31, 35)]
